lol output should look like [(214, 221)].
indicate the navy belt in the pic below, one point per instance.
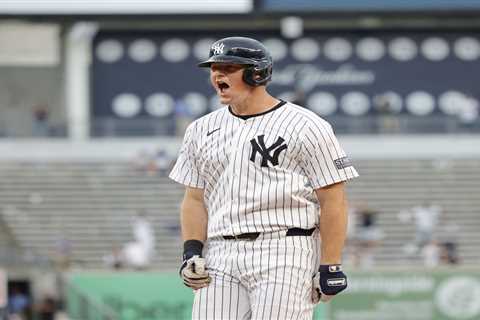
[(254, 235)]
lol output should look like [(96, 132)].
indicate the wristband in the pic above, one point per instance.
[(330, 268), (192, 248)]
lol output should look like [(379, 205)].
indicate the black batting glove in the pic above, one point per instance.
[(329, 281)]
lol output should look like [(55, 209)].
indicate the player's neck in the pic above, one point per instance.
[(257, 102)]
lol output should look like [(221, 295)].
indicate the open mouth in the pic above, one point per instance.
[(222, 86)]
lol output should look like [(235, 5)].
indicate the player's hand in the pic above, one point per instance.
[(327, 282), (193, 270), (194, 273)]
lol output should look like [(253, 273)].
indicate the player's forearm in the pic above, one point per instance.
[(333, 228), (193, 219)]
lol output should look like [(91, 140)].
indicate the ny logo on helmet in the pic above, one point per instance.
[(260, 147), (217, 48)]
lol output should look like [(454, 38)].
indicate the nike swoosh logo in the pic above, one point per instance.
[(210, 132)]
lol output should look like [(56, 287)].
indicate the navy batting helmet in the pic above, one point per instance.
[(244, 51)]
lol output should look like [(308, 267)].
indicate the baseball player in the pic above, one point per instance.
[(264, 179)]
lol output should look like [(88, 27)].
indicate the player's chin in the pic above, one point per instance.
[(224, 99)]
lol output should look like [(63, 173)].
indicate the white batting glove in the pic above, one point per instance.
[(194, 273), (329, 281)]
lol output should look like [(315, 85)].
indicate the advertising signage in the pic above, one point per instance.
[(154, 75)]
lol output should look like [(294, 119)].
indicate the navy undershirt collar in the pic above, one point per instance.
[(247, 116)]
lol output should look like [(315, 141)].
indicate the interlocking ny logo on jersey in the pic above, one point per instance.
[(218, 48), (258, 145)]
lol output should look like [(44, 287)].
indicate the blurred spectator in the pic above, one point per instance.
[(368, 236), (142, 161), (449, 244), (143, 231), (62, 255), (162, 162), (138, 254), (431, 254), (115, 259), (158, 162), (46, 309), (469, 112), (449, 253), (426, 218), (40, 121), (18, 304), (387, 107)]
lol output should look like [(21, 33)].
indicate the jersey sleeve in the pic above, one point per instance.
[(185, 170), (323, 159)]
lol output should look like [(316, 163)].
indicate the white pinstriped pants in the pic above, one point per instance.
[(258, 280)]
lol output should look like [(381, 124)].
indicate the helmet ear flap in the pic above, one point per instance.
[(256, 76), (249, 76)]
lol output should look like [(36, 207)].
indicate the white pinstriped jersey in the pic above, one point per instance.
[(259, 172)]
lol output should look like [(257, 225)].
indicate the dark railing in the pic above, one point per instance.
[(370, 124)]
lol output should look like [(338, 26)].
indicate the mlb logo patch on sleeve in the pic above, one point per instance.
[(342, 163)]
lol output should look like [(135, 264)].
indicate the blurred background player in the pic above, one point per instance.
[(366, 236), (139, 253), (425, 218)]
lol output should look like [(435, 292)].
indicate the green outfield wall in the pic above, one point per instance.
[(389, 295), (410, 295)]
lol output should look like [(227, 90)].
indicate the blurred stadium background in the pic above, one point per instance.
[(94, 100)]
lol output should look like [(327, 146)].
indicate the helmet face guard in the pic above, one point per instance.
[(243, 51)]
